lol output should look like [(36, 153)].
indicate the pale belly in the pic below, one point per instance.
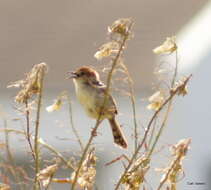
[(90, 102), (92, 99)]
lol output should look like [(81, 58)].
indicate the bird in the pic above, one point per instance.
[(90, 91)]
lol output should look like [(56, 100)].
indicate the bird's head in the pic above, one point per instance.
[(84, 74)]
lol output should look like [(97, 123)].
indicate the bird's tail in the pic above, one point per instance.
[(118, 135)]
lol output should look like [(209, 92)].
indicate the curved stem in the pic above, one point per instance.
[(108, 84), (28, 129), (168, 108), (171, 96), (36, 137), (72, 124), (132, 98)]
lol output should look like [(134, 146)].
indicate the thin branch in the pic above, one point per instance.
[(57, 153), (169, 171), (117, 159), (72, 123), (108, 84), (152, 134), (171, 96), (28, 129), (10, 158), (9, 153), (50, 181), (168, 108), (175, 70), (132, 98), (37, 125)]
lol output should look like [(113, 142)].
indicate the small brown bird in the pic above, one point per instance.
[(90, 92)]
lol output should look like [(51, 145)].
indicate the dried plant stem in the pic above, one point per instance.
[(36, 137), (132, 98), (28, 129), (72, 123), (152, 134), (171, 96), (52, 149), (108, 84), (13, 130), (161, 129), (10, 158), (47, 146), (49, 183), (117, 159), (9, 154), (134, 120), (168, 108), (175, 70), (169, 171)]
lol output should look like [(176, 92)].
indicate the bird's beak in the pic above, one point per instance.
[(71, 75)]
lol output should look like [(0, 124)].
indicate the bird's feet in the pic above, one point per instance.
[(94, 132)]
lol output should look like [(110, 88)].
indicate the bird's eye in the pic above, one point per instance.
[(82, 73)]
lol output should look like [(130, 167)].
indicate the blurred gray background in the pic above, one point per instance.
[(65, 34)]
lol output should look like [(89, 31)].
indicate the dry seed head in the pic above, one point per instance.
[(46, 174), (120, 26), (55, 106), (16, 84), (181, 87), (168, 46), (87, 173), (133, 180), (107, 50), (173, 171), (181, 148), (143, 162), (135, 176), (31, 84), (86, 179), (176, 170), (156, 101)]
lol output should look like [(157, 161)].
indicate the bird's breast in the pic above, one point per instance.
[(88, 98)]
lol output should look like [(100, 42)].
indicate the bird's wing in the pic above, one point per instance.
[(101, 88), (97, 83), (112, 102)]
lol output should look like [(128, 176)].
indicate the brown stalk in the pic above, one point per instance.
[(10, 158), (171, 96), (28, 137), (108, 84), (58, 154), (132, 99), (169, 171), (37, 126), (168, 108)]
